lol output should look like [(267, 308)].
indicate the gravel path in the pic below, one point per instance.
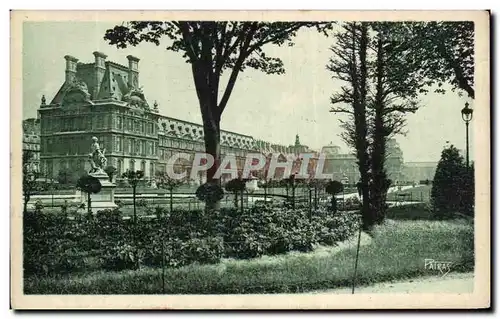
[(451, 283)]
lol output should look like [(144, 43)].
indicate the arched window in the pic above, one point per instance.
[(132, 165), (143, 166)]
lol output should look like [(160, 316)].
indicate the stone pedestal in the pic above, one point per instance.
[(105, 199)]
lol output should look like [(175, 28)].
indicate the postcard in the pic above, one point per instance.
[(250, 160)]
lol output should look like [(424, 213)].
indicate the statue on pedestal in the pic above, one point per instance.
[(96, 157)]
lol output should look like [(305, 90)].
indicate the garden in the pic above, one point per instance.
[(263, 250)]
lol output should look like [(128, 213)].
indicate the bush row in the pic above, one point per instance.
[(54, 243)]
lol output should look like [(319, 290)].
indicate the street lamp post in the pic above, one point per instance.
[(467, 117)]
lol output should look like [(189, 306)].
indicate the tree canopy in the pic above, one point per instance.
[(213, 47), (443, 52)]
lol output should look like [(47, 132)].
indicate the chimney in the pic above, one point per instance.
[(133, 71), (99, 70), (70, 68)]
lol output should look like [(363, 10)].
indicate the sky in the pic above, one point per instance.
[(270, 107)]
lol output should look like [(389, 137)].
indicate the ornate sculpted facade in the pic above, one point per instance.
[(104, 99), (31, 141)]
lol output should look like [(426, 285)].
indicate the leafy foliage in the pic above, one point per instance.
[(209, 193), (443, 51), (55, 244), (350, 65), (236, 186), (163, 180), (111, 171), (133, 177), (89, 184), (385, 66), (453, 185), (334, 187)]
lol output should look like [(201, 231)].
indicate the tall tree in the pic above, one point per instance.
[(211, 48), (387, 67), (349, 64), (396, 87)]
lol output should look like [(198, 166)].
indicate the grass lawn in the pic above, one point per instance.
[(397, 250), (416, 211), (420, 193)]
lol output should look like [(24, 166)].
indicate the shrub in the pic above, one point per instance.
[(121, 256), (453, 185), (209, 193), (55, 244), (331, 228), (351, 203), (38, 206)]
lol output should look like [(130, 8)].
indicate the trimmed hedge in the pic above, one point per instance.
[(55, 244)]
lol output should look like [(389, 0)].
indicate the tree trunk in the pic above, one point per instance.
[(315, 197), (241, 200), (378, 194), (211, 126), (310, 202), (334, 204), (171, 200), (89, 203), (133, 198), (361, 126)]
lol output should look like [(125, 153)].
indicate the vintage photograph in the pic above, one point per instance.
[(251, 154)]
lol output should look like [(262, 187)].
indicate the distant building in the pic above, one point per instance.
[(104, 99), (344, 166), (419, 171), (31, 142), (341, 165)]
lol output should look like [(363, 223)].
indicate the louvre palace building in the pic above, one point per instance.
[(103, 99)]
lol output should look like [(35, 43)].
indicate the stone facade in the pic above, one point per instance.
[(104, 99), (344, 166), (420, 171), (31, 141)]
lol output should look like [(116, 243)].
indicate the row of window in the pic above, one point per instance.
[(70, 145), (135, 146), (97, 122), (133, 165), (196, 146), (182, 144), (135, 125), (75, 123), (78, 165)]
